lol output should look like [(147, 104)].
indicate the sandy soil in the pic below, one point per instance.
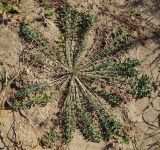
[(19, 131)]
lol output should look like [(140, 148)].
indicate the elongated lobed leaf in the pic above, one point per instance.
[(88, 128)]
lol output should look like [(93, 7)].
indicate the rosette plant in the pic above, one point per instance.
[(89, 81)]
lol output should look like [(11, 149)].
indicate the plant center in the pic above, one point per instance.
[(74, 72)]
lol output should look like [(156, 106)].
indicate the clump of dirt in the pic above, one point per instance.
[(10, 47)]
